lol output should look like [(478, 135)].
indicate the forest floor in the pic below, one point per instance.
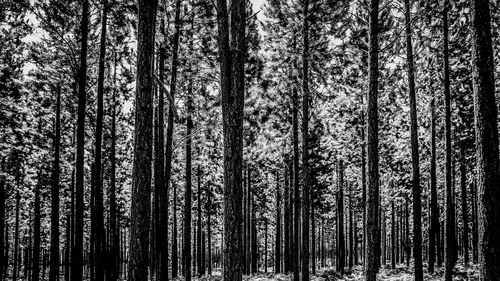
[(401, 273)]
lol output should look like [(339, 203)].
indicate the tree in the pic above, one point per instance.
[(372, 196), (486, 128), (231, 39), (77, 251), (141, 177), (417, 205)]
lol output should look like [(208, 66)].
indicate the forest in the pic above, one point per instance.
[(155, 140)]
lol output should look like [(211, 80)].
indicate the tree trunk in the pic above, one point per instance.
[(475, 218), (450, 220), (305, 146), (16, 239), (231, 39), (3, 226), (201, 268), (434, 248), (340, 206), (296, 188), (186, 255), (255, 254), (209, 231), (141, 175), (465, 215), (393, 236), (277, 251), (351, 232), (372, 198), (485, 115), (77, 252), (175, 247), (286, 221), (417, 204)]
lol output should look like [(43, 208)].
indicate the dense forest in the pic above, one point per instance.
[(249, 140)]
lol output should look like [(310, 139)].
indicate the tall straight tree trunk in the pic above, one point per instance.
[(231, 39), (16, 239), (465, 215), (209, 231), (255, 254), (248, 251), (77, 252), (114, 242), (313, 238), (36, 232), (434, 249), (3, 226), (340, 227), (277, 251), (475, 232), (98, 192), (351, 231), (485, 116), (54, 215), (199, 238), (305, 145), (286, 220), (393, 236), (296, 187), (161, 187), (186, 253), (450, 217), (141, 175), (416, 192), (175, 247), (373, 194)]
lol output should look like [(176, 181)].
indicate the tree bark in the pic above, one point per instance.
[(175, 247), (231, 38), (434, 242), (286, 220), (277, 251), (372, 200), (186, 255), (141, 175), (486, 128), (340, 206), (465, 215), (77, 252)]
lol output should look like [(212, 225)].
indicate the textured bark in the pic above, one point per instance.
[(16, 265), (351, 231), (416, 192), (231, 39), (54, 215), (286, 220), (98, 190), (175, 246), (209, 231), (255, 253), (475, 224), (450, 252), (306, 194), (199, 255), (2, 226), (77, 251), (372, 198), (141, 175), (340, 228), (393, 236), (296, 187), (486, 128)]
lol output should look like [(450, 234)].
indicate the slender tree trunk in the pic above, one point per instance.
[(54, 216), (286, 221), (277, 251), (434, 249), (231, 38), (3, 226), (465, 215), (36, 232), (141, 175), (98, 192), (341, 218), (255, 254), (296, 188), (416, 193), (305, 146), (199, 255), (393, 236), (175, 247), (16, 239), (351, 231), (77, 252), (475, 218), (248, 250), (313, 238), (209, 231), (188, 191), (372, 200), (450, 221), (486, 128)]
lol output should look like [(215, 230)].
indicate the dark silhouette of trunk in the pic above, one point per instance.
[(340, 206), (393, 236), (434, 241), (306, 194), (450, 252), (186, 253), (313, 238), (277, 251), (416, 192), (141, 175), (36, 231), (3, 226), (373, 193), (16, 239), (351, 232), (169, 138), (77, 251), (475, 218), (255, 254), (175, 247), (161, 186), (245, 234), (407, 234), (114, 243), (286, 220), (231, 41), (296, 188), (209, 230), (54, 215), (265, 246), (485, 115), (248, 250), (363, 183), (98, 192), (199, 255), (465, 215)]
